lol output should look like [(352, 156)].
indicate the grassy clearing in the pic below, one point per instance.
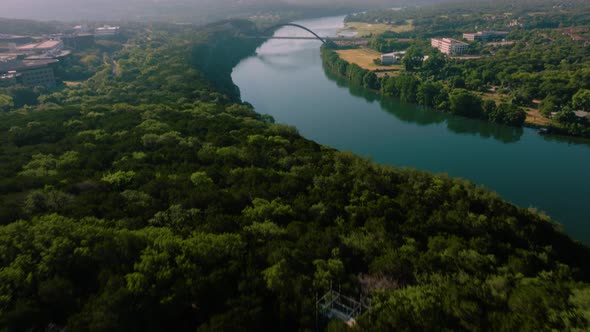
[(535, 117), (72, 83), (497, 97), (392, 73), (409, 26), (363, 57), (367, 29)]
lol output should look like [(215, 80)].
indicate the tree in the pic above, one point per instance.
[(581, 100), (389, 86), (412, 59), (23, 96), (435, 63), (201, 180), (566, 116), (549, 105), (489, 106), (463, 102), (457, 82), (6, 103), (370, 81), (407, 85), (509, 114), (429, 94)]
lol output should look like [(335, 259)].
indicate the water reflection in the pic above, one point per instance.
[(504, 134), (273, 61), (422, 116), (567, 139)]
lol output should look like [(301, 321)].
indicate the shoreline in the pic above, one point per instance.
[(555, 131)]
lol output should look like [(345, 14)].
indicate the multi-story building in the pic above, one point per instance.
[(484, 35), (78, 41), (449, 46), (27, 72), (40, 74)]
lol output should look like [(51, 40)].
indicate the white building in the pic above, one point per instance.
[(106, 31), (391, 58), (484, 35), (82, 28), (449, 46), (9, 79)]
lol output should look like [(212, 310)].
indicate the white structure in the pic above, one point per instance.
[(48, 46), (391, 58), (82, 28), (449, 46), (106, 31), (484, 35), (9, 78)]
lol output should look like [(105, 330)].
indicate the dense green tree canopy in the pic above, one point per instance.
[(150, 198)]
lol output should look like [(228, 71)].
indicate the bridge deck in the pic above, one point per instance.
[(311, 38)]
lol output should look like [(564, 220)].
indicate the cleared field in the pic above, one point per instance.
[(367, 29), (409, 26), (72, 83), (535, 117), (497, 97), (364, 57)]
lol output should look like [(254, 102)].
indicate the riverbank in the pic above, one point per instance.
[(410, 88), (287, 80), (360, 67)]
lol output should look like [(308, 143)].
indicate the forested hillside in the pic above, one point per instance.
[(149, 198)]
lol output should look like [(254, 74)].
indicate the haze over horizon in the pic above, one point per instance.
[(167, 10)]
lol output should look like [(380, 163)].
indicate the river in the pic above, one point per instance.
[(286, 80)]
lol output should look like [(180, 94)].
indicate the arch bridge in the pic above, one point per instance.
[(274, 27)]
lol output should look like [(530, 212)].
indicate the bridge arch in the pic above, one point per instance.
[(274, 27)]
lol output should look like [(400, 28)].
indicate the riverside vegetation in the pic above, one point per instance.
[(151, 198), (545, 65)]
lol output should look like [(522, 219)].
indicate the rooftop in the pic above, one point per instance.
[(20, 65), (48, 44), (107, 28), (7, 36), (61, 54), (451, 41)]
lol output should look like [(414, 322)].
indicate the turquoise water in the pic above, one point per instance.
[(286, 80)]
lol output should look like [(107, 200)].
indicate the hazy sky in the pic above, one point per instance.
[(109, 9), (73, 10)]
